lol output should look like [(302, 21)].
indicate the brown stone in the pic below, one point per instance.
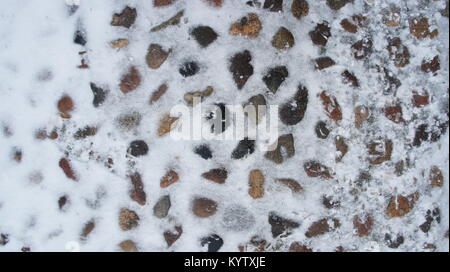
[(87, 229), (137, 192), (398, 52), (400, 206), (128, 219), (420, 28), (324, 62), (119, 43), (291, 184), (128, 246), (331, 106), (241, 68), (283, 39), (156, 56), (431, 66), (284, 150), (300, 8), (391, 16), (436, 177), (362, 49), (315, 169), (130, 81), (200, 95), (170, 178), (320, 34), (204, 207), (219, 175), (350, 78), (256, 183), (394, 113), (363, 225), (322, 227), (126, 18), (167, 124), (349, 26), (163, 3), (65, 165), (380, 151), (249, 26), (297, 247), (216, 3), (419, 100), (156, 95), (172, 236), (341, 147), (65, 104)]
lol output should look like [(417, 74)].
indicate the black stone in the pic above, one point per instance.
[(80, 37), (189, 68), (281, 225), (431, 216), (275, 78), (138, 148), (244, 148), (241, 68), (203, 151), (321, 129), (214, 242), (330, 203), (320, 34), (204, 35), (293, 111), (422, 135), (99, 95), (273, 5), (4, 239), (394, 243)]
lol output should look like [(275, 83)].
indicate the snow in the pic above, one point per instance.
[(38, 64)]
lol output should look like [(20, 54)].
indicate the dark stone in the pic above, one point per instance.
[(320, 34), (390, 82), (350, 78), (204, 35), (394, 243), (189, 68), (337, 4), (138, 148), (275, 77), (214, 242), (422, 135), (85, 132), (321, 129), (126, 18), (4, 239), (273, 5), (324, 62), (281, 225), (80, 37), (284, 150), (431, 216), (362, 48), (322, 227), (244, 148), (203, 151), (241, 68), (292, 112), (162, 207), (99, 95), (219, 118), (330, 203)]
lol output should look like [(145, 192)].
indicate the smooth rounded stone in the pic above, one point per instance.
[(156, 56), (128, 246), (237, 218), (219, 175), (213, 241), (204, 35), (126, 18), (129, 121), (292, 112), (162, 207), (275, 77), (172, 236), (99, 95), (320, 34), (241, 68), (87, 229), (65, 104), (119, 43), (245, 147), (189, 69), (322, 130), (283, 39), (300, 8), (204, 207), (128, 219), (249, 26), (138, 148), (323, 63)]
